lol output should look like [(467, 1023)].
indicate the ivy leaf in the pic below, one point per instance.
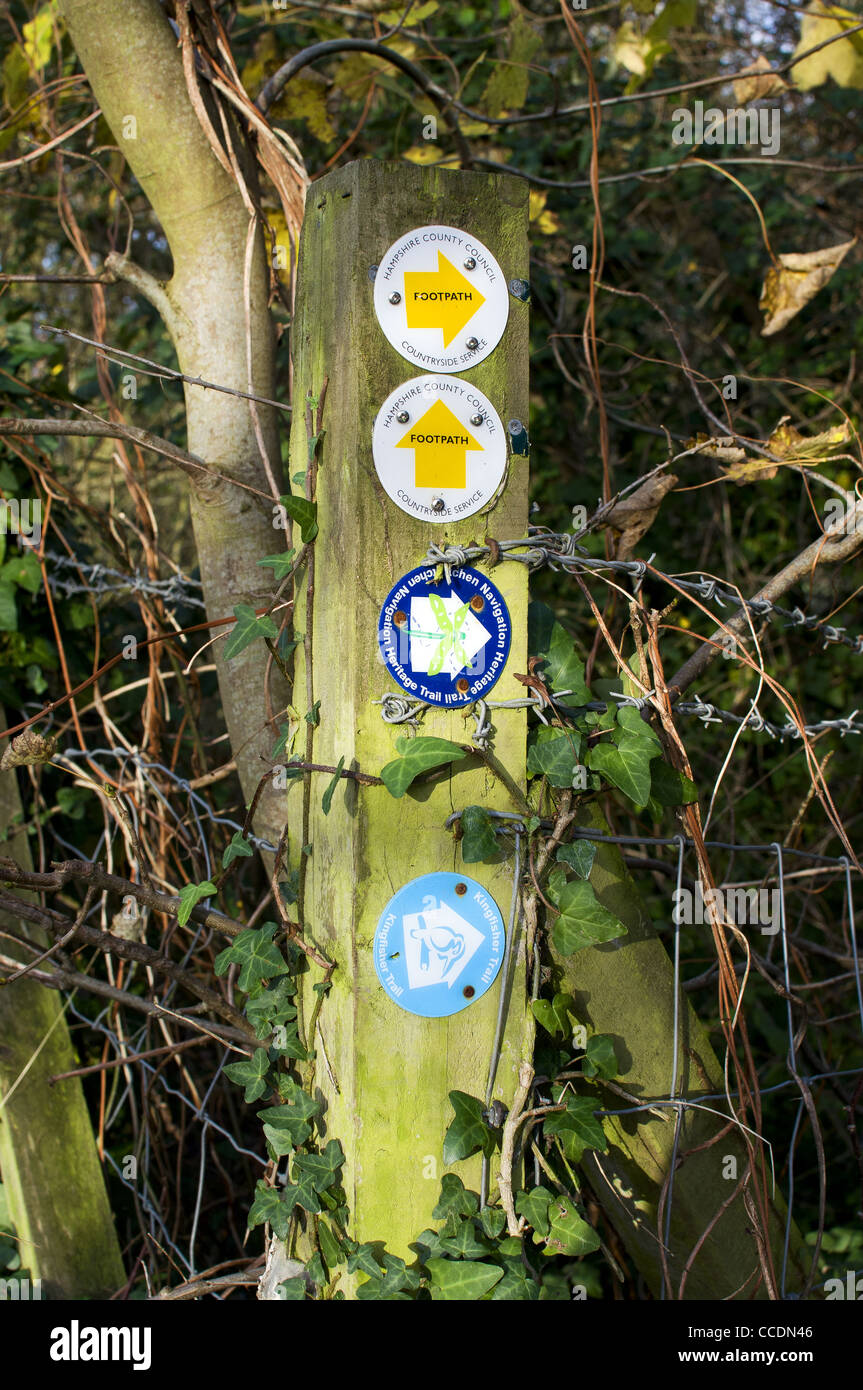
[(600, 1058), (670, 787), (629, 719), (583, 921), (515, 1286), (287, 1126), (392, 1284), (239, 848), (462, 1281), (554, 1014), (363, 1258), (317, 1172), (247, 629), (190, 895), (251, 1072), (465, 1244), (478, 840), (273, 1007), (281, 564), (327, 798), (533, 1206), (579, 855), (569, 1234), (418, 755), (257, 955), (24, 571), (578, 1124), (493, 1221), (455, 1199), (468, 1132), (292, 1290), (554, 754), (305, 512), (627, 766), (564, 669), (269, 1205), (331, 1247)]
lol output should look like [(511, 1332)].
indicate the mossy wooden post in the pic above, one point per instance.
[(385, 1073), (48, 1160)]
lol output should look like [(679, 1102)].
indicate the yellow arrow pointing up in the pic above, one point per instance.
[(441, 298), (440, 443)]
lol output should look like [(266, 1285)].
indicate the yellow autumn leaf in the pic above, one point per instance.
[(281, 254), (546, 222), (430, 153), (38, 35), (798, 277), (792, 447), (630, 49), (843, 60), (757, 82)]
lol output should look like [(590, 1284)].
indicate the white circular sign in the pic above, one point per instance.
[(441, 298), (439, 448)]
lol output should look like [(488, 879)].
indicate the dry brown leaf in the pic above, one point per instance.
[(792, 447), (760, 84), (799, 277), (632, 517)]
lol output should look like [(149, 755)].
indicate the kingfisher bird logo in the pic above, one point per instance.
[(438, 944)]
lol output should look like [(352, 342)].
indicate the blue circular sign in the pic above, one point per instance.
[(445, 642), (439, 944)]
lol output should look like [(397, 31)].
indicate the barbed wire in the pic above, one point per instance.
[(179, 589), (560, 551)]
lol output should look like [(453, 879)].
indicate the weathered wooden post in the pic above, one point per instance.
[(48, 1160), (386, 1073)]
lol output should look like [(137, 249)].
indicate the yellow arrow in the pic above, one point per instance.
[(440, 443), (441, 298)]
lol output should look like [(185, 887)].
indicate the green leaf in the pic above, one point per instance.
[(272, 1007), (292, 1290), (626, 766), (239, 848), (579, 1125), (331, 1248), (569, 1234), (564, 669), (313, 716), (455, 1199), (533, 1206), (670, 787), (515, 1286), (629, 719), (396, 1278), (247, 629), (579, 855), (478, 840), (316, 1271), (281, 564), (418, 755), (190, 895), (600, 1058), (305, 512), (256, 953), (287, 1126), (554, 754), (8, 609), (460, 1281), (269, 1205), (465, 1243), (554, 1014), (468, 1132), (317, 1172), (493, 1221), (24, 571), (363, 1258), (583, 921), (251, 1072), (327, 798)]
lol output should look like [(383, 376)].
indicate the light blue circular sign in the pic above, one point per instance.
[(439, 944), (445, 641)]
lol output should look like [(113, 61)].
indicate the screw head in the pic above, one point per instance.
[(461, 889), (400, 617), (438, 504), (477, 603), (514, 426), (403, 417), (472, 344), (373, 270), (470, 263), (395, 297), (477, 419), (519, 288)]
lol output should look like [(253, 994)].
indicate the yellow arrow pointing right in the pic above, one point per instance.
[(441, 298)]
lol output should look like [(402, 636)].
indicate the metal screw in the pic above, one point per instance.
[(373, 270), (472, 344), (462, 687), (514, 426), (403, 417), (395, 297), (477, 419), (519, 288), (438, 504), (461, 889), (400, 617), (470, 263), (468, 991), (477, 603)]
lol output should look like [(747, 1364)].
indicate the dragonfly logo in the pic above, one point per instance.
[(445, 637)]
